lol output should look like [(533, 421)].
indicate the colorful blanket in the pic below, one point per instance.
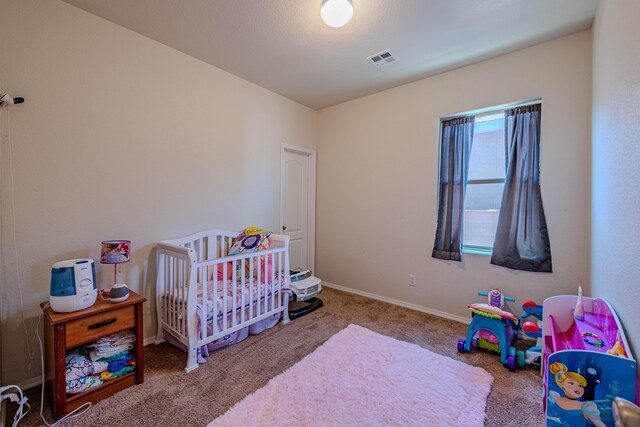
[(112, 345), (83, 384), (78, 365), (130, 366)]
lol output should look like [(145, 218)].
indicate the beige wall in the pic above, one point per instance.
[(377, 180), (122, 137), (615, 272)]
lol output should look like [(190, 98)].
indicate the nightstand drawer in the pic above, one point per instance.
[(87, 329)]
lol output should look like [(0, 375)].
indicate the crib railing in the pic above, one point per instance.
[(175, 298), (192, 272)]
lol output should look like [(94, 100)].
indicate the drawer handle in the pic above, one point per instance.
[(103, 324)]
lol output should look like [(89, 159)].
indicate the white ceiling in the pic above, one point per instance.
[(284, 46)]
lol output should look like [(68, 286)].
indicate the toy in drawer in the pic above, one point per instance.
[(586, 363)]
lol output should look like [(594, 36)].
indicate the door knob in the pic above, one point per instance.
[(284, 228)]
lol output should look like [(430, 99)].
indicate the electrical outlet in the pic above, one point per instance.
[(412, 280)]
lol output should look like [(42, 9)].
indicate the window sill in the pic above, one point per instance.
[(478, 251)]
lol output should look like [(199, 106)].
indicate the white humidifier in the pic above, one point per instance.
[(73, 285)]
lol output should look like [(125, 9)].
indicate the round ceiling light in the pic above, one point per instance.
[(336, 13)]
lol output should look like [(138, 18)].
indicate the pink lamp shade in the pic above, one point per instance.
[(115, 251)]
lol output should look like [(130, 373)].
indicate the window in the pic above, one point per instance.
[(475, 154), (487, 170)]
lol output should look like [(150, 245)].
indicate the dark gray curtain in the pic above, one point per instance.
[(455, 149), (522, 239)]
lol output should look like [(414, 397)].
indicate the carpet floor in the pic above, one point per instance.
[(171, 397)]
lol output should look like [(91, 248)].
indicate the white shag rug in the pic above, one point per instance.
[(361, 378)]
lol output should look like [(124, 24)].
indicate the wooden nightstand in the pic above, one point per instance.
[(64, 331)]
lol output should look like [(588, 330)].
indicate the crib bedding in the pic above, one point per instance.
[(229, 339), (217, 302)]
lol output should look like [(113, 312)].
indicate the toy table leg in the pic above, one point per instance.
[(496, 327)]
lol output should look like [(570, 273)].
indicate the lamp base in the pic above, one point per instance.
[(119, 292)]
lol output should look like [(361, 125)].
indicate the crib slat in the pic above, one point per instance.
[(224, 297), (177, 296), (165, 301), (214, 297), (267, 277), (279, 270), (174, 296), (167, 295), (242, 293), (251, 309), (181, 296), (185, 293), (180, 318), (183, 307), (234, 293), (203, 301), (260, 289), (273, 283), (185, 298)]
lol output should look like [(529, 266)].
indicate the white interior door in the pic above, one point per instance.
[(298, 204)]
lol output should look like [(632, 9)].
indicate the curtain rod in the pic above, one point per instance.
[(494, 108)]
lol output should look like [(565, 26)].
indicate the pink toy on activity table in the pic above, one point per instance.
[(586, 362)]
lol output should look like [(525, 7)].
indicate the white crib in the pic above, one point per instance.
[(188, 281)]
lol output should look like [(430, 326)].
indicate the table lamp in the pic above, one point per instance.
[(116, 252)]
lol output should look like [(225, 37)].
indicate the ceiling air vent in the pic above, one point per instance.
[(384, 58)]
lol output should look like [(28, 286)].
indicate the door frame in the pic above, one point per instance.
[(311, 208)]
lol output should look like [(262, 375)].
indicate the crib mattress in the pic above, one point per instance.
[(218, 302)]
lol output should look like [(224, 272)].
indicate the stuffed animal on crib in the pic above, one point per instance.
[(250, 240), (492, 328)]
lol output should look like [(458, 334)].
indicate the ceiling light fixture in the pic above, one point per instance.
[(336, 13)]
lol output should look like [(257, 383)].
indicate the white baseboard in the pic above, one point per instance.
[(416, 307), (31, 382)]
